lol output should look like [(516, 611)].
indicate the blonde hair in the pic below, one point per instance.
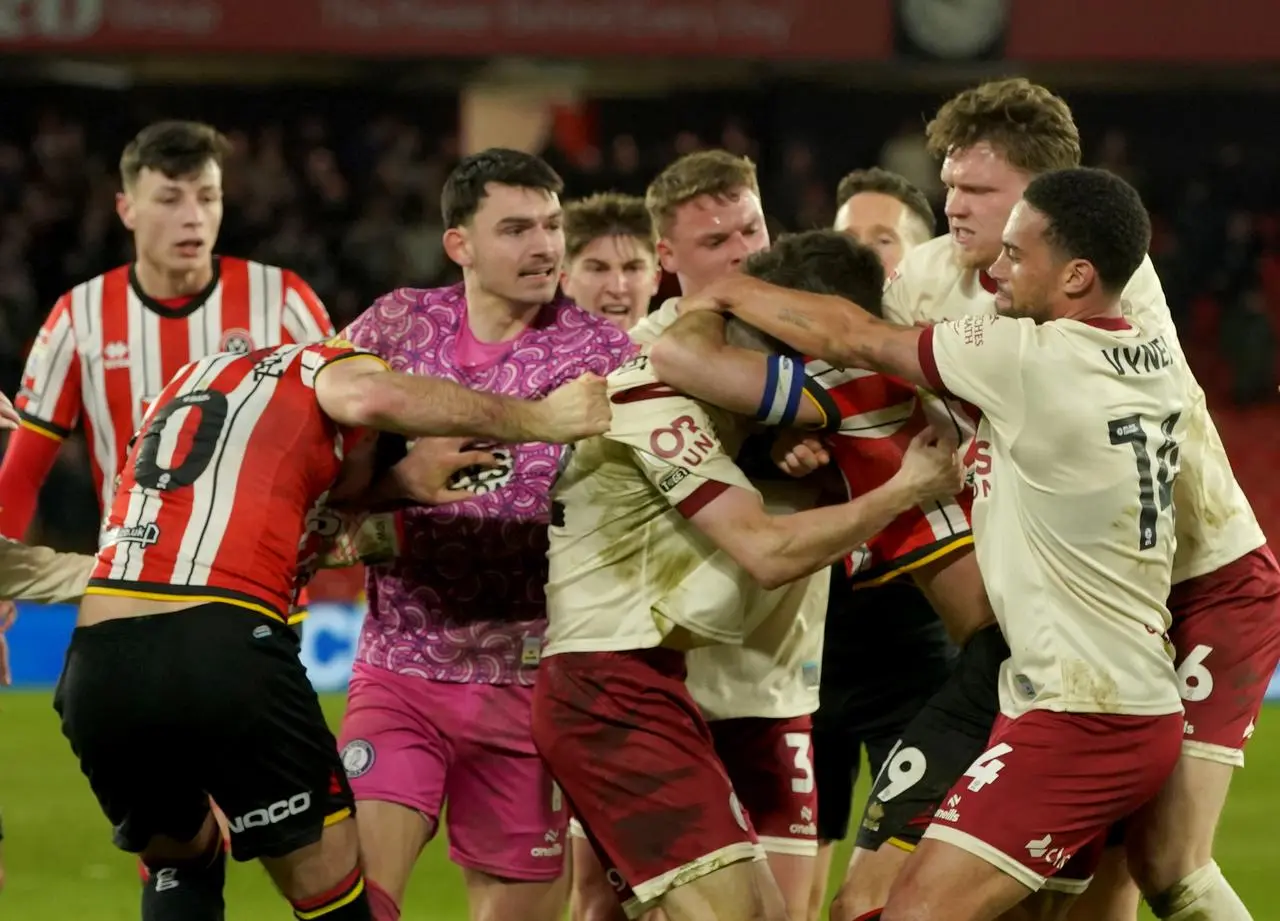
[(717, 173)]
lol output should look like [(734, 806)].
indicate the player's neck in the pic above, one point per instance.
[(496, 319), (1092, 308), (160, 284)]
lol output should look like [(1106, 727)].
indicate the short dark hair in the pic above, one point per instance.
[(1094, 215), (1026, 123), (823, 262), (467, 185), (176, 149), (891, 184), (607, 214)]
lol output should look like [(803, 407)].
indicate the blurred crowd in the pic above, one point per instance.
[(349, 200)]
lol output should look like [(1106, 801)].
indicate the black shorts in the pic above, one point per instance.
[(168, 710), (885, 654), (939, 745)]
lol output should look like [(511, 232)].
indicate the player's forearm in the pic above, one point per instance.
[(831, 328), (803, 543), (27, 462), (426, 406), (817, 325), (693, 357), (41, 575)]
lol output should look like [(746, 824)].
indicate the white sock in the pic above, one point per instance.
[(1204, 895)]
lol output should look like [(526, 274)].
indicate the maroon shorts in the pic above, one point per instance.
[(637, 764), (770, 763), (1038, 802), (1226, 629)]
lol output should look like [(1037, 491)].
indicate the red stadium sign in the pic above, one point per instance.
[(844, 30), (1207, 31), (833, 30)]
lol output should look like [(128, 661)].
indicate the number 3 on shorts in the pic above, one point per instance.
[(800, 743), (988, 767)]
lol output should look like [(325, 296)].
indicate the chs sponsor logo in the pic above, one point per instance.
[(1042, 849), (271, 815), (553, 846)]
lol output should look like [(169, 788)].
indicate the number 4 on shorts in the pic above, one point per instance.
[(988, 767)]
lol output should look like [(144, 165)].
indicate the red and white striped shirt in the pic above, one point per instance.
[(107, 350), (879, 417), (226, 478)]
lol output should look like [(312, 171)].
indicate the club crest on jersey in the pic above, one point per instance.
[(236, 341), (482, 480), (144, 535)]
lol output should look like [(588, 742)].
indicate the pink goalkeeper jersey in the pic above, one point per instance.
[(465, 602)]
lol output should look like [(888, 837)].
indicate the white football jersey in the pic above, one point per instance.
[(1215, 523), (1073, 470)]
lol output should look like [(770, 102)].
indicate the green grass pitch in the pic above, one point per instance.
[(60, 863)]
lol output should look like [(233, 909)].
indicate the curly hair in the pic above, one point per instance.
[(1030, 126)]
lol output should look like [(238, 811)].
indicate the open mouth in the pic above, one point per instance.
[(189, 247), (541, 274), (615, 310)]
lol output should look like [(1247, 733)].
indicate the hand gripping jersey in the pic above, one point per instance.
[(224, 481), (879, 415), (774, 672), (464, 601)]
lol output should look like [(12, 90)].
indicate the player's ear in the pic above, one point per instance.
[(124, 208), (1078, 276), (457, 247), (666, 258)]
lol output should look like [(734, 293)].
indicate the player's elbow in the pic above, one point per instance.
[(762, 564), (357, 400)]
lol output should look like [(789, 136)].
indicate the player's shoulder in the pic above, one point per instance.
[(1143, 298), (105, 291), (566, 320), (650, 327), (930, 263), (634, 390)]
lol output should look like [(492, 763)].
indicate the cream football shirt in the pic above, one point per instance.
[(1215, 523), (1073, 468)]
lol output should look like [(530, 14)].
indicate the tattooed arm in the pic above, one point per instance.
[(818, 325)]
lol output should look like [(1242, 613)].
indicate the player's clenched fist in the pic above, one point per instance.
[(576, 410), (931, 467)]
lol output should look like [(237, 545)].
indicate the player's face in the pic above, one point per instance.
[(881, 222), (982, 189), (174, 221), (1028, 273), (514, 245), (614, 277), (711, 237)]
